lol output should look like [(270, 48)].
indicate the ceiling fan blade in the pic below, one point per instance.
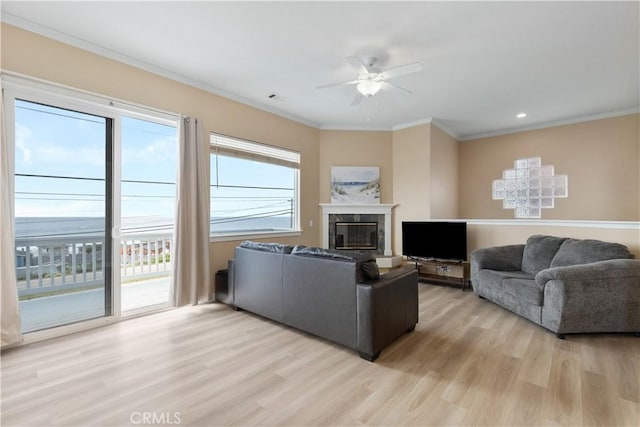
[(357, 99), (403, 69), (388, 85), (348, 82), (356, 63)]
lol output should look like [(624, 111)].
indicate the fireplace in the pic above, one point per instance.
[(379, 214), (356, 235)]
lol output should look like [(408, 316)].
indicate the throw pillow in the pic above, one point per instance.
[(370, 270)]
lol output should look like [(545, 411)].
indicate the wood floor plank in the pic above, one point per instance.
[(563, 403), (468, 362), (524, 405)]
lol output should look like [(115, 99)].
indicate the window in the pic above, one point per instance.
[(94, 195), (254, 188)]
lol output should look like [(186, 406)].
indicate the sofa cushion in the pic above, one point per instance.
[(574, 251), (493, 278), (539, 251), (525, 289), (332, 254), (278, 248), (366, 261)]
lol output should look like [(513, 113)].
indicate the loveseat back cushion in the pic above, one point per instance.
[(332, 254), (278, 248), (366, 261), (539, 251), (575, 251)]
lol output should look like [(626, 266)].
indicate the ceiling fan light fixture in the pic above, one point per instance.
[(369, 87)]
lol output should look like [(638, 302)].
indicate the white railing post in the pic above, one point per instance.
[(39, 266), (27, 270), (84, 262), (63, 262), (52, 275), (94, 258)]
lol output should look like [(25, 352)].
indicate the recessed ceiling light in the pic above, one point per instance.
[(521, 115)]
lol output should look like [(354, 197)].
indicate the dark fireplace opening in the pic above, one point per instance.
[(356, 235)]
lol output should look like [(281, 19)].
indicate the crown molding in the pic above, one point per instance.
[(408, 125), (42, 30), (550, 124), (356, 128)]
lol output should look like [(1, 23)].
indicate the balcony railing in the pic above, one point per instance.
[(145, 255), (55, 264)]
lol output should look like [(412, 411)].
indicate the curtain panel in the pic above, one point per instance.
[(10, 317), (190, 281)]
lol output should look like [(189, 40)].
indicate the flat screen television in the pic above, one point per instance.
[(434, 239)]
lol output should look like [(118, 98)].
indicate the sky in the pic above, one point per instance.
[(55, 142), (62, 143)]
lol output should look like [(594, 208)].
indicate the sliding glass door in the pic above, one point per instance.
[(94, 203), (62, 187), (148, 189)]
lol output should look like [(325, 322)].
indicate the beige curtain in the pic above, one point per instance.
[(190, 282), (10, 318)]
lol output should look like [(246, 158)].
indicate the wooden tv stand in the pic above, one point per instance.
[(442, 271)]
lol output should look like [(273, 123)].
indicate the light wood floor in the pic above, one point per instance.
[(469, 362)]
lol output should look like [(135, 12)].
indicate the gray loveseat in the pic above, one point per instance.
[(335, 295), (565, 285)]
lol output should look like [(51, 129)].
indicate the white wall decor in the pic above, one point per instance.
[(529, 187), (355, 185)]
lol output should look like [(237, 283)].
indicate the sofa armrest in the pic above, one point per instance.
[(387, 308), (602, 296), (601, 271), (501, 258)]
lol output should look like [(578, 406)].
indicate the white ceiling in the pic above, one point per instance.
[(484, 62)]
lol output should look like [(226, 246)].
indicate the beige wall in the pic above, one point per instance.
[(411, 181), (601, 158), (356, 148), (444, 175), (37, 56), (484, 235)]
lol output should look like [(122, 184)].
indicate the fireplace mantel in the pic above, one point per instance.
[(374, 209)]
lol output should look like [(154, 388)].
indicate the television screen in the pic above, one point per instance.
[(435, 239)]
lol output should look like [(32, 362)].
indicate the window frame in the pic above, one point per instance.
[(252, 156), (17, 86)]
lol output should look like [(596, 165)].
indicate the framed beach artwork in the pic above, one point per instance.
[(355, 184)]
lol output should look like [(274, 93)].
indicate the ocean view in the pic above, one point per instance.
[(77, 226)]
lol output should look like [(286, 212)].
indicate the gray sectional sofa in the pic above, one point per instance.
[(336, 295), (565, 285)]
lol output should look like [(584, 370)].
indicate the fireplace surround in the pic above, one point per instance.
[(379, 213)]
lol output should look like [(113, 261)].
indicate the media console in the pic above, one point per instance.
[(442, 271)]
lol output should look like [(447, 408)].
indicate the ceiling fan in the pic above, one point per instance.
[(371, 79)]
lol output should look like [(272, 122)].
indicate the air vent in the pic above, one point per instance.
[(276, 97)]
